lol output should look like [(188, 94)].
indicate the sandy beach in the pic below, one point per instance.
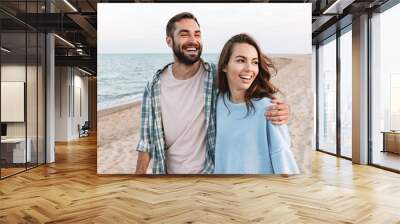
[(118, 127), (117, 137)]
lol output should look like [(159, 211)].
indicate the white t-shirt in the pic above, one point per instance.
[(182, 109)]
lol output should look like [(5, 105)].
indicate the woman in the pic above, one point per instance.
[(246, 141)]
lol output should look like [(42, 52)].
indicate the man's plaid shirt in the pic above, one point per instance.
[(151, 129)]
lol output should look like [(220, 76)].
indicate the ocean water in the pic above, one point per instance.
[(121, 78)]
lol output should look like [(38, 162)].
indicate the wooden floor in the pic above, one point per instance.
[(387, 159), (10, 171), (70, 191)]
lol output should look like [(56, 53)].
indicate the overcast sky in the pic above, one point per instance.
[(140, 27)]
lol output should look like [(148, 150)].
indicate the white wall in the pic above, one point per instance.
[(70, 83), (12, 73), (62, 81)]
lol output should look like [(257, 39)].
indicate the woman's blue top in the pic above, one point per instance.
[(251, 144)]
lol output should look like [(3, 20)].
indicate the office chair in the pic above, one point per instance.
[(84, 130)]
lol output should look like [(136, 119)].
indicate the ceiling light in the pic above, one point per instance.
[(64, 40), (5, 49), (70, 5), (84, 71), (338, 6)]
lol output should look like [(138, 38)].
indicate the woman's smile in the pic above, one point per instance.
[(242, 67)]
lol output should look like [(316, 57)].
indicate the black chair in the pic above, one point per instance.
[(84, 130)]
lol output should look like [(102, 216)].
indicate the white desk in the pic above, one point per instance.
[(19, 149), (391, 141)]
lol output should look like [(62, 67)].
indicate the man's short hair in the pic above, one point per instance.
[(171, 23)]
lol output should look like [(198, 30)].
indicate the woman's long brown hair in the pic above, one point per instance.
[(261, 86)]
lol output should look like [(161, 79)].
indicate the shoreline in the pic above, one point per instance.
[(278, 59), (117, 108), (119, 125)]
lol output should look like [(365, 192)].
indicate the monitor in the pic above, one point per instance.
[(3, 129)]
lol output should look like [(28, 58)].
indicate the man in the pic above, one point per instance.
[(178, 107)]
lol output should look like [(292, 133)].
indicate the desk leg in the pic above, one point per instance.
[(384, 143)]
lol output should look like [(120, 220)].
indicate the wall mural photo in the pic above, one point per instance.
[(204, 89)]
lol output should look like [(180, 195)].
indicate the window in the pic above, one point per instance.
[(346, 94), (327, 96), (385, 89)]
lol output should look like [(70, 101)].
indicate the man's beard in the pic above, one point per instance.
[(182, 57)]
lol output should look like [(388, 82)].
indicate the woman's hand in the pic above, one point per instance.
[(278, 113)]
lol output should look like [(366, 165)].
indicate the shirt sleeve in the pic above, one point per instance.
[(144, 141), (283, 161)]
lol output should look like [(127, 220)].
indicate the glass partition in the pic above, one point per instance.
[(22, 77), (32, 86), (346, 94), (327, 96), (41, 85), (31, 100), (13, 109)]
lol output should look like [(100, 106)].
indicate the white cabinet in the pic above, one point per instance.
[(18, 149)]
